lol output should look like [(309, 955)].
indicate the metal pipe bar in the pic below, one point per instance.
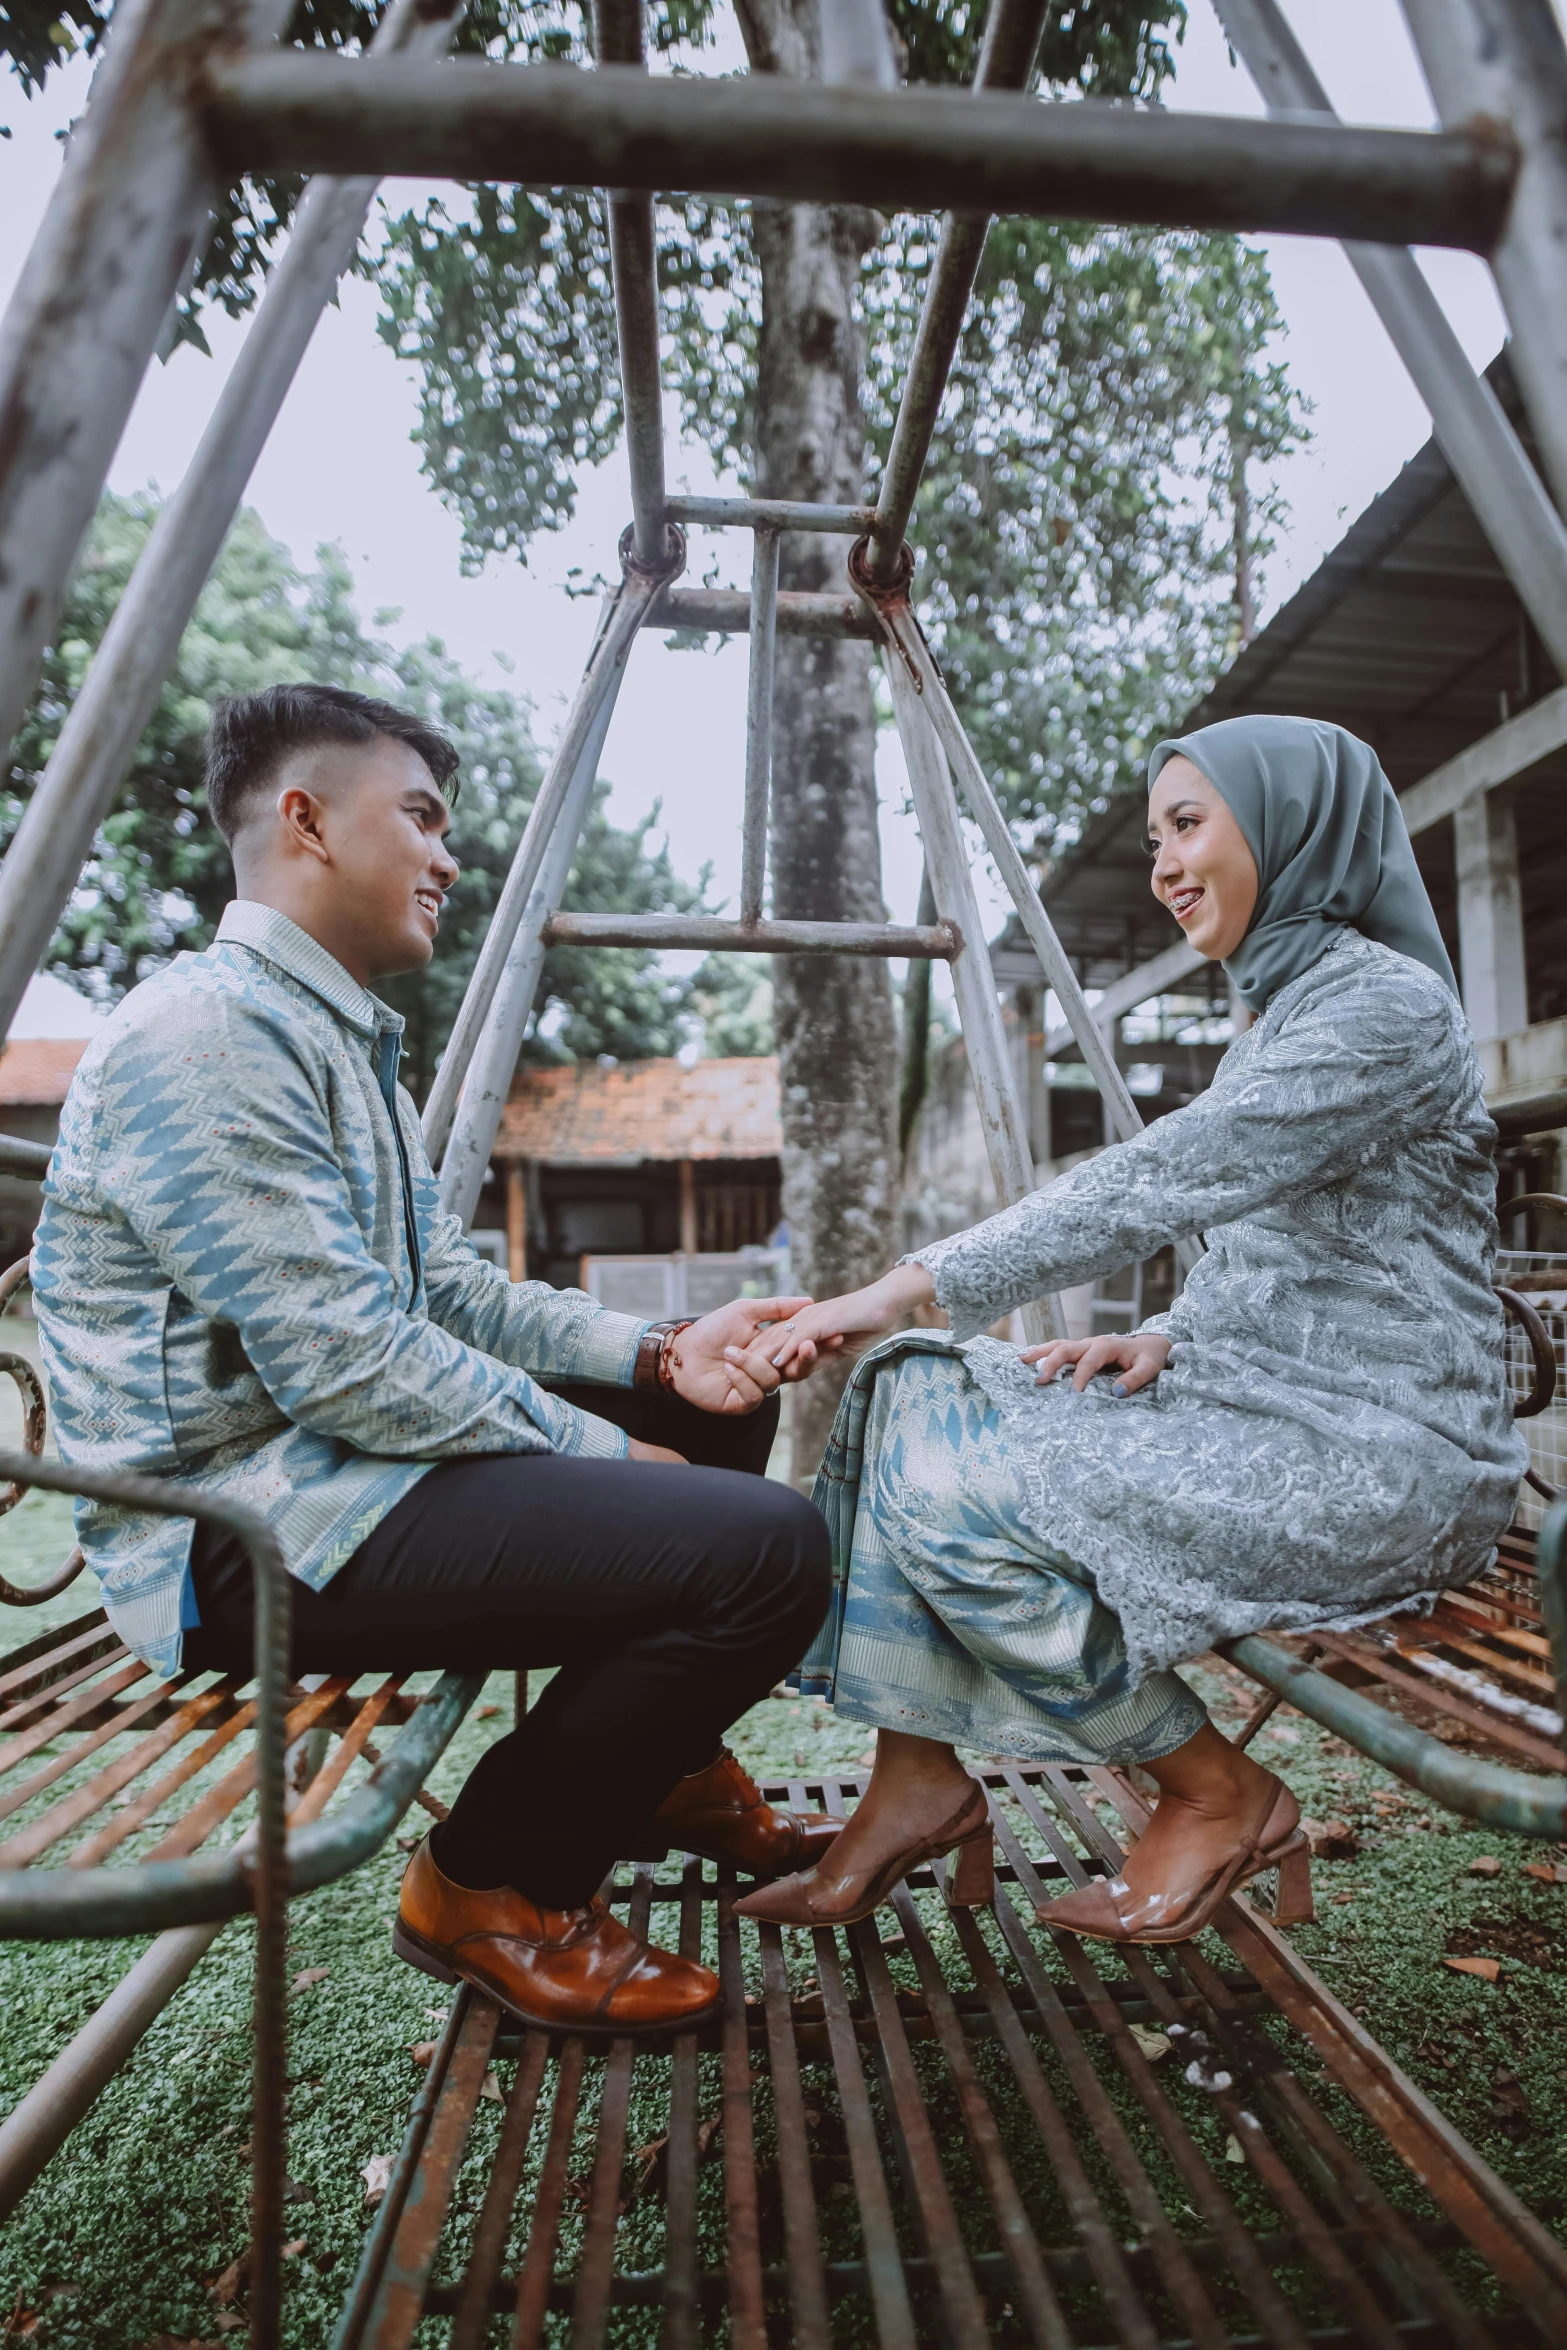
[(1525, 1804), (633, 255), (261, 1870), (1488, 460), (487, 1080), (727, 612), (38, 2127), (118, 694), (1552, 1571), (759, 723), (84, 320), (18, 1156), (1006, 62), (1505, 61), (938, 942), (907, 645), (913, 150), (35, 2129), (596, 693), (1002, 1116), (771, 514)]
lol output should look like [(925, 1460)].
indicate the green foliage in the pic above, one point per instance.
[(732, 996), (159, 875)]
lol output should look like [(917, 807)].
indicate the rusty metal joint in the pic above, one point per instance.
[(661, 574), (889, 600)]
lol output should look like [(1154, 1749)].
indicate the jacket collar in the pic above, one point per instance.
[(272, 935)]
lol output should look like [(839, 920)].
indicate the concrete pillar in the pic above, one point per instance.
[(1490, 915)]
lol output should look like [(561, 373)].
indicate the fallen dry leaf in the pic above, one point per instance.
[(377, 2176), (1330, 1839), (292, 2251), (422, 2051), (1486, 1866), (1234, 2151), (482, 1713), (311, 1976), (229, 2283), (409, 1843), (492, 2088), (1154, 2044), (1549, 1872), (1486, 1968)]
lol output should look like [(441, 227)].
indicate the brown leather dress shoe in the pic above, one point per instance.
[(719, 1813), (560, 1970)]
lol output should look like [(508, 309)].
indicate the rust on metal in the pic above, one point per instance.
[(1032, 2148)]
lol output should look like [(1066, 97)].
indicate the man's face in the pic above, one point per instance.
[(378, 826)]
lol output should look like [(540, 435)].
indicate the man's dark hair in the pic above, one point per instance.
[(252, 734)]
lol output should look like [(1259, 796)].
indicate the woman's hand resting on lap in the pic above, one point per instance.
[(636, 1450), (1139, 1357)]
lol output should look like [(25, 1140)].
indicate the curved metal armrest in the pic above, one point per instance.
[(1520, 1801), (62, 1904)]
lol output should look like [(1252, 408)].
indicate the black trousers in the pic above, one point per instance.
[(670, 1598)]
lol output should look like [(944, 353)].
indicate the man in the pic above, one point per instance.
[(243, 1279)]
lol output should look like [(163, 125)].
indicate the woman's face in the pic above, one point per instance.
[(1202, 869)]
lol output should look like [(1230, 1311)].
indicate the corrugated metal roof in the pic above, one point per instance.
[(585, 1115)]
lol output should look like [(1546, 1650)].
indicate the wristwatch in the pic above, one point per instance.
[(653, 1366)]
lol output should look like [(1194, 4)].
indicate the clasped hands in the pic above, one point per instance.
[(786, 1338), (731, 1360)]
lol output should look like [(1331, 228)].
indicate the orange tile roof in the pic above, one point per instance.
[(35, 1071), (643, 1110)]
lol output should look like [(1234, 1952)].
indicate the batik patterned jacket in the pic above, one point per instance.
[(243, 1278)]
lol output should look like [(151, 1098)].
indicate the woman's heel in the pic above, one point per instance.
[(971, 1871), (1295, 1906)]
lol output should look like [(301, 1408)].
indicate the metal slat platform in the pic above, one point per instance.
[(952, 2127)]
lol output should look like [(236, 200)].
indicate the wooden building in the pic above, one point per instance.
[(641, 1158)]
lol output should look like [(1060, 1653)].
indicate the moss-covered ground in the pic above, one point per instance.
[(130, 2237)]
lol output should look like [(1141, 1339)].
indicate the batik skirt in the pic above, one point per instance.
[(950, 1617)]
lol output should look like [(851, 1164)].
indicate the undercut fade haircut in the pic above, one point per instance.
[(252, 734)]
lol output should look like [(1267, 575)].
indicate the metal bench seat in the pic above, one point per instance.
[(949, 2127), (123, 1811)]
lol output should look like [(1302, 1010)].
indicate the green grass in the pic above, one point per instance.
[(120, 2242)]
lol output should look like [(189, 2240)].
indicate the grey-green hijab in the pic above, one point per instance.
[(1328, 835)]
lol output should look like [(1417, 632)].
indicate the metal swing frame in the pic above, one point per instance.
[(187, 98)]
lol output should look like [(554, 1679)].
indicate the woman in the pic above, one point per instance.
[(1317, 1433)]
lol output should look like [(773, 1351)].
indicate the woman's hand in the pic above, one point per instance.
[(847, 1325), (636, 1450), (1139, 1357)]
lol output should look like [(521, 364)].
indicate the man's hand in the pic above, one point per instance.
[(722, 1363), (636, 1450), (1139, 1358)]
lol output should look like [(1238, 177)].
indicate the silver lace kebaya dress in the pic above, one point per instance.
[(1020, 1566)]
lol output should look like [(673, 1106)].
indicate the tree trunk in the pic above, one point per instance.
[(837, 1040)]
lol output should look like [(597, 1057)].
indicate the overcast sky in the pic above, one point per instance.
[(340, 465)]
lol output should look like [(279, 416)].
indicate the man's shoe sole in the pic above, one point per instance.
[(411, 1946)]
